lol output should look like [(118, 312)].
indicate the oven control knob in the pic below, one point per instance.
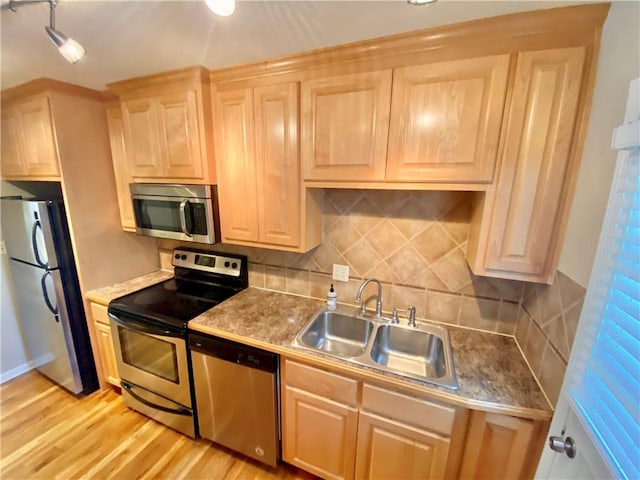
[(226, 264), (234, 265), (177, 256), (183, 257)]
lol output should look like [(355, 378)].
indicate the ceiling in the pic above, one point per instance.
[(125, 39)]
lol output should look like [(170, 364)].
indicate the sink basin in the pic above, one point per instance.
[(423, 352), (408, 350), (339, 334)]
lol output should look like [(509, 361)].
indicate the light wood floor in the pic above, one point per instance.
[(47, 433)]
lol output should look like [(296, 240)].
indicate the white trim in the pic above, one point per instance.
[(15, 372)]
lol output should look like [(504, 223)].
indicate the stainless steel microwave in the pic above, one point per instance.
[(179, 212)]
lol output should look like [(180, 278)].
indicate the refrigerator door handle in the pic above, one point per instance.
[(45, 294), (34, 243)]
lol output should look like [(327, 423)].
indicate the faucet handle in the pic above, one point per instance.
[(412, 315), (394, 316)]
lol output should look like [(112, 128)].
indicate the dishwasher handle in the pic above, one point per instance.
[(233, 352)]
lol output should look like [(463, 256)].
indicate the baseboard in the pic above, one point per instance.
[(15, 372)]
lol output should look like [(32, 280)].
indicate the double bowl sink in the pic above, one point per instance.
[(422, 353)]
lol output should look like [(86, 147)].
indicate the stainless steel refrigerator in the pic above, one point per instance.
[(52, 318)]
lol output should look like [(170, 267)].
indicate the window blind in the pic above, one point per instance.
[(607, 394)]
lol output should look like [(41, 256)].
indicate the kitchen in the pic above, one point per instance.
[(361, 224)]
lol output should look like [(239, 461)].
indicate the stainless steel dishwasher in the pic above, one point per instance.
[(236, 390)]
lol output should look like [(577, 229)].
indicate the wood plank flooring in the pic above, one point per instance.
[(47, 433)]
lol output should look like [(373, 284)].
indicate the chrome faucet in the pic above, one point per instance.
[(378, 298)]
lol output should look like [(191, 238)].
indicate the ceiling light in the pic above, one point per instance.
[(223, 8), (71, 50), (421, 2)]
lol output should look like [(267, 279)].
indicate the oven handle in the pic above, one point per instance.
[(178, 411), (183, 218), (142, 327)]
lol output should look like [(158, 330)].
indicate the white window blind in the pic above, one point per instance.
[(607, 393)]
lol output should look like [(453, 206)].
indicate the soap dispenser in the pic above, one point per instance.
[(332, 298)]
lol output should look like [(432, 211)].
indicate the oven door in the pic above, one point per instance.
[(151, 357), (179, 218)]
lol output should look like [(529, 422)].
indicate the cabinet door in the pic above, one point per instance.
[(120, 167), (388, 449), (107, 354), (445, 120), (235, 160), (105, 343), (180, 135), (12, 163), (499, 446), (319, 435), (39, 147), (277, 164), (345, 125), (535, 177), (142, 143)]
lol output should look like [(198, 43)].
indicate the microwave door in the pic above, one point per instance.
[(158, 217)]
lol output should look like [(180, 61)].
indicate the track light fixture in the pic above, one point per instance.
[(70, 49)]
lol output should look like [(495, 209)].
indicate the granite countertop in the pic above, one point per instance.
[(492, 374), (106, 294)]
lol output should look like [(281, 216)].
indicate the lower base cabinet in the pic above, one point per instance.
[(339, 427), (321, 434), (500, 446), (104, 342), (389, 449)]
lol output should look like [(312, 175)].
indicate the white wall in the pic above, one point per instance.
[(619, 64), (13, 360)]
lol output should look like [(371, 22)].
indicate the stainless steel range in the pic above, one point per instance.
[(149, 330)]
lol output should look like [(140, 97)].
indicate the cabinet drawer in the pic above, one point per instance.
[(329, 385), (413, 411), (99, 313)]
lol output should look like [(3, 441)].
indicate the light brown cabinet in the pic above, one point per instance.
[(500, 446), (104, 342), (166, 119), (339, 427), (120, 167), (445, 120), (29, 149), (345, 125), (442, 123), (262, 202), (518, 228), (390, 449), (321, 434)]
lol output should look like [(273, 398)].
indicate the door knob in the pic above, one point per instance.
[(567, 446)]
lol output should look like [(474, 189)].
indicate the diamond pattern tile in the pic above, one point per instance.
[(433, 243), (364, 216), (414, 242), (361, 256), (406, 263)]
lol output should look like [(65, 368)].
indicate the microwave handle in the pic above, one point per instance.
[(183, 218)]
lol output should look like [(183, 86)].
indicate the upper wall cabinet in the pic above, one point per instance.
[(120, 167), (29, 150), (262, 202), (441, 120), (519, 232), (166, 121), (445, 120), (345, 124)]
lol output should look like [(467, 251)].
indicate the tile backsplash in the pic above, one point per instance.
[(546, 327), (413, 242)]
